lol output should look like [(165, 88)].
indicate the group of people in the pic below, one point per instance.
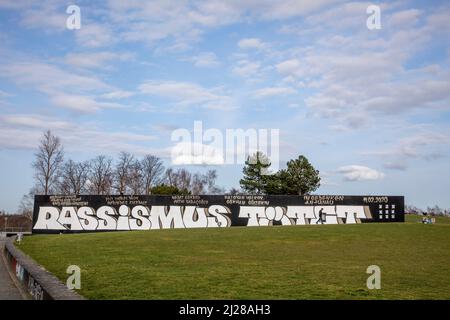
[(426, 219)]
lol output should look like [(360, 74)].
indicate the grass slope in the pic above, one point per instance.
[(298, 262)]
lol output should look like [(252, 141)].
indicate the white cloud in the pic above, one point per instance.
[(424, 145), (396, 165), (95, 59), (27, 129), (289, 67), (360, 173), (326, 179), (34, 121), (247, 69), (368, 74), (79, 103), (187, 94), (4, 94), (117, 94), (49, 15), (260, 10), (346, 15), (404, 18), (204, 60), (152, 22), (251, 43), (186, 153), (95, 35), (273, 91), (164, 128), (64, 88), (49, 78), (294, 8)]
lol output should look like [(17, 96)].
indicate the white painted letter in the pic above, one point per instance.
[(68, 217), (254, 215), (219, 216), (139, 222), (87, 219), (106, 222), (171, 219), (374, 20), (74, 20), (48, 219), (301, 214), (74, 281), (194, 217), (374, 280)]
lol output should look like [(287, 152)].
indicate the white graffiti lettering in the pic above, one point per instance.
[(302, 215), (141, 217)]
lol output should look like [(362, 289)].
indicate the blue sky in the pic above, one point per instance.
[(369, 108)]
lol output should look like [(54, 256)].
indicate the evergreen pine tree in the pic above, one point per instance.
[(255, 170), (300, 177)]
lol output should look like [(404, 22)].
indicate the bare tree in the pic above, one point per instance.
[(27, 203), (435, 211), (180, 178), (100, 175), (74, 177), (169, 177), (152, 172), (197, 184), (122, 172), (210, 179), (135, 183), (48, 162), (205, 183), (413, 210), (233, 191)]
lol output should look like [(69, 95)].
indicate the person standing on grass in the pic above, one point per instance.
[(424, 218), (321, 216)]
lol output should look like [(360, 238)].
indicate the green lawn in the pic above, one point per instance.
[(298, 262)]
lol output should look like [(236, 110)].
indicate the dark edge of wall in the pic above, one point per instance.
[(39, 283)]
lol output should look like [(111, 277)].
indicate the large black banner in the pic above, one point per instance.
[(89, 213)]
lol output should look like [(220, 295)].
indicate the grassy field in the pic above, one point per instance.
[(298, 262)]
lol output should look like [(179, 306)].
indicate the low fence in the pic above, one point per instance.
[(11, 232), (16, 230), (39, 283), (13, 223)]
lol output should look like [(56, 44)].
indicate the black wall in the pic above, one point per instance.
[(379, 208)]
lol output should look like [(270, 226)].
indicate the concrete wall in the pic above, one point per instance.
[(39, 283)]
